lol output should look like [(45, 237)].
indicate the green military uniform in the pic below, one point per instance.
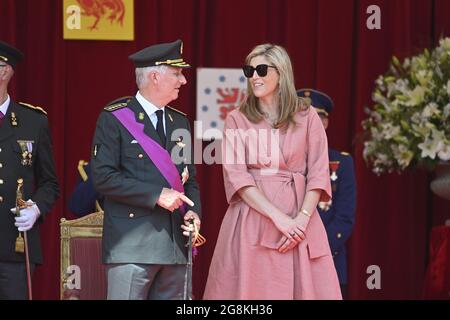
[(136, 229)]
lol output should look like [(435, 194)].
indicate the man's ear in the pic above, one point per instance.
[(5, 72), (154, 77)]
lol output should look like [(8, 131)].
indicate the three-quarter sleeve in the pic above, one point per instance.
[(235, 171), (318, 172)]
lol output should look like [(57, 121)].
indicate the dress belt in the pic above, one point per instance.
[(298, 178)]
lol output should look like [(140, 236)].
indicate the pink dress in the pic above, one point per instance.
[(246, 263)]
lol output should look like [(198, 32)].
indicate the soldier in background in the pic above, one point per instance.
[(84, 198), (338, 215), (25, 152)]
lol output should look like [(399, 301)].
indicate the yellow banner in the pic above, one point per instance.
[(98, 19)]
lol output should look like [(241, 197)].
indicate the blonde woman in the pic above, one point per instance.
[(272, 243)]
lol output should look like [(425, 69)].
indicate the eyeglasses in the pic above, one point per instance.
[(261, 70)]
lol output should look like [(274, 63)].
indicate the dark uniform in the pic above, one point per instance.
[(136, 230), (84, 198), (25, 152), (338, 216)]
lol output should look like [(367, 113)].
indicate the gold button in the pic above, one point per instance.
[(1, 165), (1, 199), (339, 235), (131, 215), (140, 155), (1, 181)]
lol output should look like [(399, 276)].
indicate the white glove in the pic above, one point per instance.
[(28, 216)]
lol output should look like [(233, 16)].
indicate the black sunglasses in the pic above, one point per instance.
[(261, 70)]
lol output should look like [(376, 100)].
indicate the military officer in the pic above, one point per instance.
[(150, 190), (25, 152), (338, 215)]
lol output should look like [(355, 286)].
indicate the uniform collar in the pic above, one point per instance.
[(4, 106), (149, 107)]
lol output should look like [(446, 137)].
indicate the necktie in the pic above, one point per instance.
[(1, 118), (160, 127)]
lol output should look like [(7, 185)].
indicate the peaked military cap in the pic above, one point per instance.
[(319, 100), (160, 54), (9, 54)]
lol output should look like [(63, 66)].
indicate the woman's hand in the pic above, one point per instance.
[(302, 221), (292, 232)]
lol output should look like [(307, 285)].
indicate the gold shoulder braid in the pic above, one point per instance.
[(30, 106), (115, 107)]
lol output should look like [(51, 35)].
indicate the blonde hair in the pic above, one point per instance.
[(288, 101)]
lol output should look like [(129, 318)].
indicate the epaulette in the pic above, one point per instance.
[(27, 105), (81, 170), (116, 106), (345, 153), (176, 110)]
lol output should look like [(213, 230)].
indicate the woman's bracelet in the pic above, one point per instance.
[(306, 213)]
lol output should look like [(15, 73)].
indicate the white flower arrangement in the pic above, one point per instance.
[(409, 124)]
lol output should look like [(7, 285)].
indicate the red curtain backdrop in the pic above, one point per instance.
[(331, 49)]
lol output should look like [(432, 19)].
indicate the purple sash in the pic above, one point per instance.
[(160, 157)]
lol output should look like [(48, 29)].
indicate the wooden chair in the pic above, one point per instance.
[(83, 274)]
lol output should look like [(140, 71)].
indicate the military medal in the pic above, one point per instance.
[(13, 119), (334, 165), (26, 147)]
